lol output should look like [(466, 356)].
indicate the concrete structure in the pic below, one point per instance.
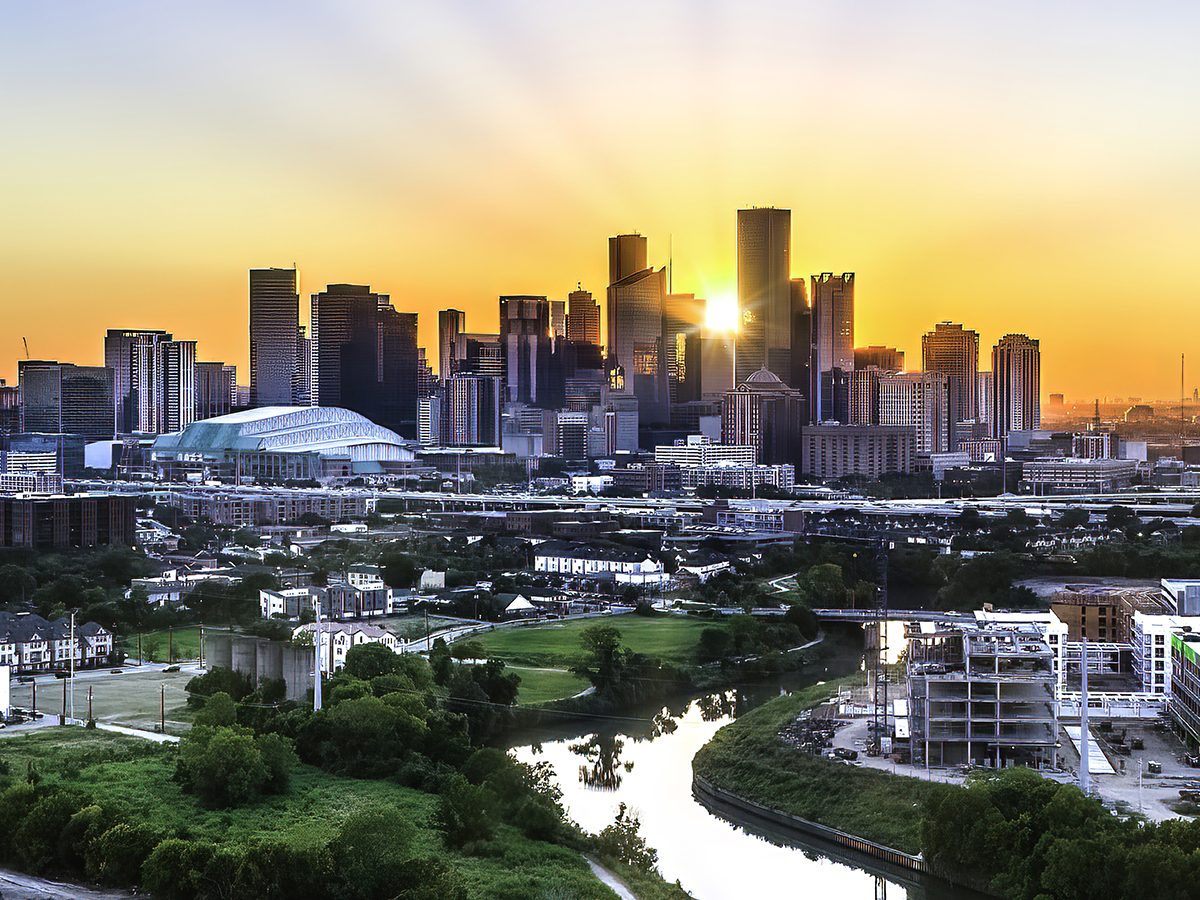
[(1150, 637), (291, 663), (1183, 595), (981, 695), (766, 414), (836, 451), (864, 395), (1071, 475), (288, 603), (764, 245)]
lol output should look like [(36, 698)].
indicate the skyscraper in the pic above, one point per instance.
[(1016, 385), (888, 359), (764, 241), (365, 356), (451, 323), (558, 318), (635, 341), (214, 389), (61, 398), (917, 400), (955, 353), (833, 345), (583, 329), (274, 329), (175, 375), (802, 343), (683, 320), (626, 255), (766, 414), (525, 344), (132, 387), (474, 410)]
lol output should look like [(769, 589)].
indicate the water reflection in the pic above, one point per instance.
[(603, 768)]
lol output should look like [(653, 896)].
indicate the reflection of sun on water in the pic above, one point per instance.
[(722, 314)]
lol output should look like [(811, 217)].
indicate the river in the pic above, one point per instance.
[(646, 763)]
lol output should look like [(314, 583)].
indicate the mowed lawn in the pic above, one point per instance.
[(544, 685), (557, 645)]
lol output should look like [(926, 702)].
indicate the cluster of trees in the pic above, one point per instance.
[(51, 583), (745, 636), (1016, 835)]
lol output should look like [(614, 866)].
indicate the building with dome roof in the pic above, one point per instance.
[(281, 443), (766, 414)]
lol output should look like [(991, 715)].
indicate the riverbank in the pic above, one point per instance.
[(748, 759)]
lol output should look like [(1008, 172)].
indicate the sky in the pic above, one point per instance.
[(1017, 167)]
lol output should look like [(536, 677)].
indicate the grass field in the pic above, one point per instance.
[(670, 638), (749, 759), (157, 645), (136, 778), (131, 698), (544, 685)]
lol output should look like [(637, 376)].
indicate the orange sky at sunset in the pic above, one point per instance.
[(1029, 168)]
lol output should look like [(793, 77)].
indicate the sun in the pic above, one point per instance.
[(722, 314)]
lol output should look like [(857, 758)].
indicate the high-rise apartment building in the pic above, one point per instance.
[(635, 335), (451, 324), (215, 385), (864, 395), (917, 400), (626, 255), (133, 387), (274, 331), (764, 241), (558, 318), (525, 345), (985, 398), (175, 406), (61, 398), (889, 359), (954, 352), (302, 384), (474, 410), (1016, 385)]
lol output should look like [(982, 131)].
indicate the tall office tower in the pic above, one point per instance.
[(889, 359), (525, 343), (129, 385), (61, 398), (474, 410), (717, 349), (478, 354), (1016, 385), (558, 318), (864, 395), (451, 323), (176, 395), (274, 328), (213, 390), (955, 353), (302, 386), (427, 382), (10, 409), (802, 342), (635, 340), (984, 398), (365, 355), (429, 419), (626, 255), (683, 321), (764, 413), (833, 345), (919, 401), (583, 318), (764, 242)]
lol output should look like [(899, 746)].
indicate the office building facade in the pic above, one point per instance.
[(129, 353), (451, 324), (888, 359), (954, 351), (833, 346), (636, 342), (525, 345), (866, 451), (917, 400), (61, 398), (764, 338), (274, 338), (764, 413)]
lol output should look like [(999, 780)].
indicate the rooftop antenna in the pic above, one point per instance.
[(1096, 418), (26, 343), (670, 260), (1181, 357)]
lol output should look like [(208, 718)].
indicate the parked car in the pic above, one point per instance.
[(1154, 768)]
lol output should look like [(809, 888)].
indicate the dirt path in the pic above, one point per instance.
[(611, 880), (15, 886)]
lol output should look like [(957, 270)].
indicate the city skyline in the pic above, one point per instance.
[(156, 160)]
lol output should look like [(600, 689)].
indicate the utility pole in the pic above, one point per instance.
[(71, 649), (317, 658), (89, 703), (162, 708), (62, 718), (1084, 772)]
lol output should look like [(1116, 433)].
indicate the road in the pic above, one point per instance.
[(15, 886)]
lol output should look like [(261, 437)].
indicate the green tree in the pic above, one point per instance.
[(440, 662), (622, 841), (1073, 518), (465, 812), (220, 710), (367, 661), (223, 766)]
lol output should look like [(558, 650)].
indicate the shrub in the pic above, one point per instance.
[(36, 843), (466, 812), (621, 841), (117, 856), (175, 869)]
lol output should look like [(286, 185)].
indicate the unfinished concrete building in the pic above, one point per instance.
[(981, 695)]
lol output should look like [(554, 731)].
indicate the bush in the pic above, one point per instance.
[(223, 766), (367, 661), (175, 869), (36, 843), (216, 681), (465, 813), (621, 841), (117, 856)]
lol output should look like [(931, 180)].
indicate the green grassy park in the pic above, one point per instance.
[(543, 685), (672, 639)]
